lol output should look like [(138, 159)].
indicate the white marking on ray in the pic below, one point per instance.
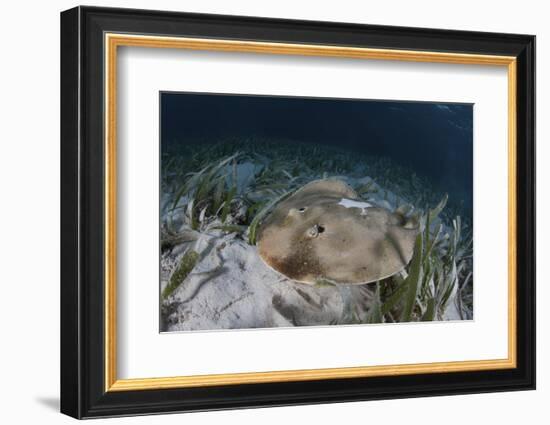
[(350, 203)]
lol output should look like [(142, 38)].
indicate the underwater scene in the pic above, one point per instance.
[(298, 211)]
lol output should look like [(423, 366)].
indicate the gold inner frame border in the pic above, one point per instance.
[(111, 43)]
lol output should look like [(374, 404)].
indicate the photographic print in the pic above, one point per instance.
[(297, 211)]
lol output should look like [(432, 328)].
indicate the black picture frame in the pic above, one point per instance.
[(83, 392)]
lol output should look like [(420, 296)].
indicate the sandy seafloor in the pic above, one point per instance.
[(231, 287)]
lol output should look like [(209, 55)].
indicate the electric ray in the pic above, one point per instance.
[(325, 232)]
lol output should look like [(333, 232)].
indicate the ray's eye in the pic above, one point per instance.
[(315, 231), (303, 209)]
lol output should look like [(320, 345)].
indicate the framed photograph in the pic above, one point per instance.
[(261, 212)]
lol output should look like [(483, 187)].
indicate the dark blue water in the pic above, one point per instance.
[(433, 139)]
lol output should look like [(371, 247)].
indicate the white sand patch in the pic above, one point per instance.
[(232, 288), (350, 203)]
